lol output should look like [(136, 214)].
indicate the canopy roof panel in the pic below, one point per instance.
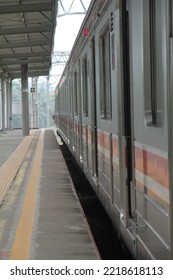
[(27, 29)]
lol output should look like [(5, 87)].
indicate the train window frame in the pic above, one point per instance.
[(76, 111), (153, 93), (85, 85), (105, 73)]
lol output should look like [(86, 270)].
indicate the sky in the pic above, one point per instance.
[(66, 31)]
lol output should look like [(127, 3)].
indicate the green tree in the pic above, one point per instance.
[(46, 103), (16, 90), (44, 100)]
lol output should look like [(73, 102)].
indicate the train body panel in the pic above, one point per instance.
[(111, 110), (149, 90)]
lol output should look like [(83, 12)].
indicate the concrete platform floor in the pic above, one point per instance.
[(9, 140), (40, 217)]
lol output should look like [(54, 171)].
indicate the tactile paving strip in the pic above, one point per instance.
[(11, 166)]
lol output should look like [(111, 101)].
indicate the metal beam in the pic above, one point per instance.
[(23, 30), (30, 68), (24, 61), (70, 10), (71, 14), (21, 44), (60, 58), (25, 55), (31, 74), (38, 73), (38, 7)]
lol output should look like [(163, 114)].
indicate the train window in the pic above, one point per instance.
[(105, 77), (154, 90), (76, 93), (85, 86)]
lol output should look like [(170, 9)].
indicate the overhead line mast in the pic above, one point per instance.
[(68, 7)]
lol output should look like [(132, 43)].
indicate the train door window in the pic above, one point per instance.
[(76, 93), (105, 77), (153, 58), (85, 86), (71, 95)]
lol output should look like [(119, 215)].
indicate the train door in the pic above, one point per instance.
[(145, 55), (86, 154), (127, 192), (93, 110), (77, 111), (170, 130), (128, 109)]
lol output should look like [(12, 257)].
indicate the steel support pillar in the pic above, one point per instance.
[(0, 106), (3, 101), (10, 104), (47, 101), (25, 102), (35, 122)]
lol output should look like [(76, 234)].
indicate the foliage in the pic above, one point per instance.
[(45, 102), (16, 88)]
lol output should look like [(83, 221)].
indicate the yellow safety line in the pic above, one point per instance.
[(11, 166), (21, 246)]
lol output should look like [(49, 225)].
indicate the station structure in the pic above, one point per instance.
[(27, 30), (26, 45)]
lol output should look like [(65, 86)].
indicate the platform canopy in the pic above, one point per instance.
[(27, 30)]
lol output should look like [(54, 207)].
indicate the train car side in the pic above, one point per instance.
[(111, 110)]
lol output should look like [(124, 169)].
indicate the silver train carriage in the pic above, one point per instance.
[(114, 109)]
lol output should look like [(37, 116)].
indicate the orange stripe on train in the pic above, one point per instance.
[(154, 166)]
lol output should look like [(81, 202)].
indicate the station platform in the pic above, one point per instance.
[(40, 215)]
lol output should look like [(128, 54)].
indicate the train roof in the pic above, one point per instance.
[(92, 15)]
